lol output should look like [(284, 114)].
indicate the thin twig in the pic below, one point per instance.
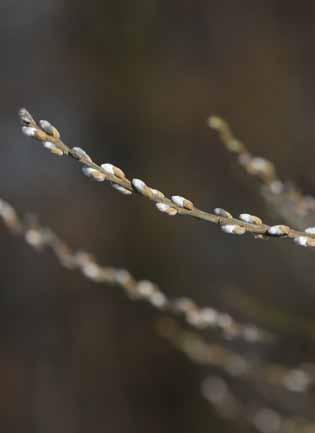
[(198, 349), (40, 237), (285, 197), (262, 418), (49, 136)]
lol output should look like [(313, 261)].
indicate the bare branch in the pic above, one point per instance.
[(40, 237), (258, 415), (198, 349), (49, 136), (238, 368), (284, 197)]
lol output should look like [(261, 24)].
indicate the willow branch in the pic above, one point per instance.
[(49, 136), (199, 350), (253, 413), (40, 238), (285, 197)]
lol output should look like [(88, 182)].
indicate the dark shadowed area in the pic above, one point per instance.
[(133, 83)]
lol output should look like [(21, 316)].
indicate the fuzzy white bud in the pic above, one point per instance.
[(178, 200), (46, 126), (302, 241), (222, 212), (109, 168), (145, 288), (163, 207), (91, 270), (138, 184), (278, 230), (30, 131), (53, 148), (260, 166), (33, 238), (81, 154), (7, 212), (182, 202), (297, 380), (209, 316), (310, 230), (93, 173), (233, 229), (250, 219), (158, 300), (121, 189), (49, 128), (157, 194), (112, 170)]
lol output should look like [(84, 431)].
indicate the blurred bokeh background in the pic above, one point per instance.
[(133, 83)]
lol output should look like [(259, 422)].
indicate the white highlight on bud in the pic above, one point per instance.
[(90, 270), (297, 380), (163, 207), (157, 193), (208, 316), (145, 288), (278, 230), (222, 212), (33, 238), (109, 168), (49, 128), (182, 202), (7, 212), (251, 219), (81, 153), (30, 131), (114, 171), (233, 229), (93, 173), (310, 230), (178, 200), (158, 299), (260, 165), (46, 126), (53, 148), (139, 185), (121, 189), (302, 241)]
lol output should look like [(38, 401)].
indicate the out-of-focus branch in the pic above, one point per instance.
[(49, 136), (284, 197), (237, 367), (256, 414), (40, 237), (199, 350)]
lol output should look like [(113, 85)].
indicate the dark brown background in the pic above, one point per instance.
[(133, 83)]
